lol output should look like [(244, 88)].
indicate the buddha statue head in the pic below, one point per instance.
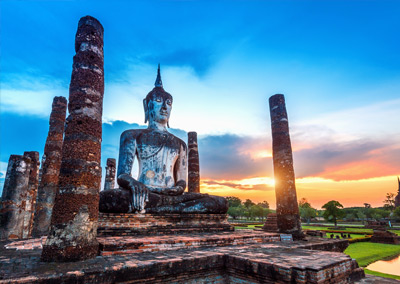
[(157, 104)]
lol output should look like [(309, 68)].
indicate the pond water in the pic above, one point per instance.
[(391, 266)]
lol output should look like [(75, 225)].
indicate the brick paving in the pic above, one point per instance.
[(254, 261)]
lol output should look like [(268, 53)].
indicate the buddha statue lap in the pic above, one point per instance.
[(162, 159)]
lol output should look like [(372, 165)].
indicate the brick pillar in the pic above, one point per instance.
[(193, 163), (13, 198), (287, 209), (31, 193), (51, 163), (73, 228), (110, 174)]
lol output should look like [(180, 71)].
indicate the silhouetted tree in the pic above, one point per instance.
[(264, 204), (389, 201), (233, 201), (333, 211), (248, 203)]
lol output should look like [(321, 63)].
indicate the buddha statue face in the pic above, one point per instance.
[(157, 106)]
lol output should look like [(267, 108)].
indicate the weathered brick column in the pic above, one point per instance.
[(31, 193), (287, 209), (13, 197), (193, 163), (73, 228), (109, 182), (51, 163)]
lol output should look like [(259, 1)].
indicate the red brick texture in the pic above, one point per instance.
[(287, 210), (73, 227)]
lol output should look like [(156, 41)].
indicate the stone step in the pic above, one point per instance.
[(123, 245)]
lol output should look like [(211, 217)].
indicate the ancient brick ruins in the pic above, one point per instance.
[(109, 182), (193, 163), (287, 210), (14, 197), (51, 163), (31, 194), (73, 227)]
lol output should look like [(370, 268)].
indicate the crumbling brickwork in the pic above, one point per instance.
[(13, 198), (30, 201), (287, 210), (51, 163), (193, 163), (73, 226), (110, 174)]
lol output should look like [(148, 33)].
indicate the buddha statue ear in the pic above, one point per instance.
[(146, 111)]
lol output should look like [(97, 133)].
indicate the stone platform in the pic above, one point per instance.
[(186, 259), (138, 244), (118, 224)]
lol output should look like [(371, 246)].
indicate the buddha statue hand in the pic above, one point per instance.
[(139, 192)]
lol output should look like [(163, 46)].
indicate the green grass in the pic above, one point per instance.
[(247, 227), (358, 230), (367, 252), (376, 273)]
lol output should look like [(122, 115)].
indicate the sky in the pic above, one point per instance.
[(337, 63)]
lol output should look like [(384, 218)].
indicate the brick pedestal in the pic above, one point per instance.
[(115, 224)]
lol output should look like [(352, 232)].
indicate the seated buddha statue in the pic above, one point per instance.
[(162, 161)]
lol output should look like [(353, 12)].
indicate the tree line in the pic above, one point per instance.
[(332, 211)]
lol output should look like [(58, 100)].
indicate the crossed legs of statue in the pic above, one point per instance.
[(121, 200)]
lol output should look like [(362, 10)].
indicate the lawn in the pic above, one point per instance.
[(366, 253), (358, 230)]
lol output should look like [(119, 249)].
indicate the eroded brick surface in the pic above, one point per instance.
[(271, 224), (193, 163), (51, 162), (13, 204), (287, 210), (110, 174), (73, 227), (272, 262), (126, 224), (30, 201)]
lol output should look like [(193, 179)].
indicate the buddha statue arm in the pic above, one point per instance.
[(127, 152)]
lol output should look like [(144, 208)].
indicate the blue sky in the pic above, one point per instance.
[(337, 62)]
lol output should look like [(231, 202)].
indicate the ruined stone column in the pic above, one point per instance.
[(51, 163), (287, 209), (73, 228), (13, 198), (110, 174), (193, 163), (31, 193)]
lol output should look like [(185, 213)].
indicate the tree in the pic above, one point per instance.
[(233, 201), (333, 211), (303, 203), (235, 212), (361, 215), (306, 211), (248, 203), (389, 201), (264, 204)]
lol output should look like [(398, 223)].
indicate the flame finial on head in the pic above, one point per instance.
[(158, 82)]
